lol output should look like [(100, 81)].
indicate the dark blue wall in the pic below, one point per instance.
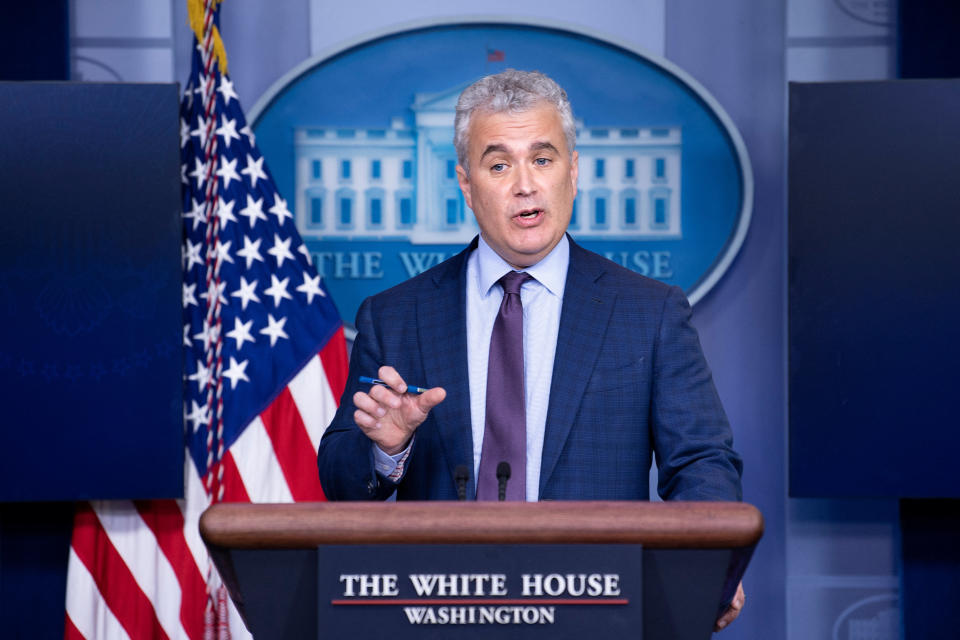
[(34, 41), (736, 50)]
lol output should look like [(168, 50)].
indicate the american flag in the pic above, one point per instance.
[(265, 364)]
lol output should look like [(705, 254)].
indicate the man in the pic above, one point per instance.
[(611, 370)]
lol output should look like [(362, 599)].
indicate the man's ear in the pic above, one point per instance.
[(464, 181), (574, 170)]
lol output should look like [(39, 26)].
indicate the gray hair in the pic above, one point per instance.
[(510, 91)]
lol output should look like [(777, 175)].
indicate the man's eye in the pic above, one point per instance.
[(542, 162), (498, 167)]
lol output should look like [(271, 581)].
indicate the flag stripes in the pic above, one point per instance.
[(113, 577), (258, 466), (314, 400), (265, 362), (166, 522), (233, 483), (87, 613), (295, 454), (334, 357), (158, 543)]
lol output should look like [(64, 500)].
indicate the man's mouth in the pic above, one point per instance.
[(529, 213)]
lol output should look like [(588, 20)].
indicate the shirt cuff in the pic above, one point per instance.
[(389, 466)]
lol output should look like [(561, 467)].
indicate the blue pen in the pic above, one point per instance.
[(410, 387)]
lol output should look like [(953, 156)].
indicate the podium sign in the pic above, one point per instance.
[(283, 562), (481, 591)]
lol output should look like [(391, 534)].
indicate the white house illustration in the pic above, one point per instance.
[(401, 182)]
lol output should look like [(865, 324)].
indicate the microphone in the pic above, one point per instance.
[(460, 476), (503, 474)]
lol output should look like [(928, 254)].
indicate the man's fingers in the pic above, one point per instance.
[(736, 605), (387, 398), (431, 398), (366, 404), (389, 375), (364, 420)]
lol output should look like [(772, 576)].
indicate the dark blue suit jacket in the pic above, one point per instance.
[(629, 381)]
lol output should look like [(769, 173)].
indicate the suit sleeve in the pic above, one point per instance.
[(691, 435), (345, 457)]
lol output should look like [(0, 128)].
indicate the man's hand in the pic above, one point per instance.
[(733, 610), (389, 416)]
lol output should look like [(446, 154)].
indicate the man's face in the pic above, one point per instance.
[(522, 182)]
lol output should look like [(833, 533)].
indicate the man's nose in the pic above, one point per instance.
[(524, 184)]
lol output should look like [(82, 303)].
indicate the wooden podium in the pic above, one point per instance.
[(693, 552)]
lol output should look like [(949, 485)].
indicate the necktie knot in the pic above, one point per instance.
[(513, 280)]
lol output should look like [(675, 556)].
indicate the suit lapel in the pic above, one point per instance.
[(441, 318), (583, 321)]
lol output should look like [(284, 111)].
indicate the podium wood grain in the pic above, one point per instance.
[(679, 525)]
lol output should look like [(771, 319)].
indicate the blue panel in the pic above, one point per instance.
[(34, 546), (931, 567), (90, 292), (35, 41), (873, 289)]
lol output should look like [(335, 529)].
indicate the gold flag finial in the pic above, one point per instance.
[(195, 9)]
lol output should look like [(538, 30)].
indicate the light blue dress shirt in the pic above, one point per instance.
[(542, 300)]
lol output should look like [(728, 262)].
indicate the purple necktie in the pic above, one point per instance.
[(505, 427)]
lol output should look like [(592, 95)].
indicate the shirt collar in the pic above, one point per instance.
[(551, 271)]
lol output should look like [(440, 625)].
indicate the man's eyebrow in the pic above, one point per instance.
[(543, 146), (493, 148)]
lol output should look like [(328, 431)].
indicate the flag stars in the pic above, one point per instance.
[(226, 90), (306, 253), (192, 254), (236, 372), (223, 252), (201, 131), (204, 82), (188, 297), (228, 172), (311, 287), (278, 290), (241, 332), (216, 289), (210, 166), (225, 212), (254, 170), (281, 249), (184, 133), (250, 250), (247, 131), (280, 210), (208, 335), (199, 172), (228, 131), (253, 211), (201, 376), (196, 213), (247, 292), (199, 415), (274, 329)]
